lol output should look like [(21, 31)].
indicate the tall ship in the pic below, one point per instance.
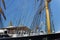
[(35, 31)]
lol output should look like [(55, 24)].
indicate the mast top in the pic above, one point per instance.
[(49, 1)]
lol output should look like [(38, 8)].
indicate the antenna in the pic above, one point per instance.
[(10, 24)]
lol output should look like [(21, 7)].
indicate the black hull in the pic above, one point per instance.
[(39, 37)]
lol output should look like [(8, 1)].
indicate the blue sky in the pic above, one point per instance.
[(24, 10), (55, 7)]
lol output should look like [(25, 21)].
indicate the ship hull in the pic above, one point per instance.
[(37, 37)]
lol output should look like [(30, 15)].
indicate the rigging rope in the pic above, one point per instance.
[(36, 19)]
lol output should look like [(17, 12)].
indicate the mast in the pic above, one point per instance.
[(47, 16)]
